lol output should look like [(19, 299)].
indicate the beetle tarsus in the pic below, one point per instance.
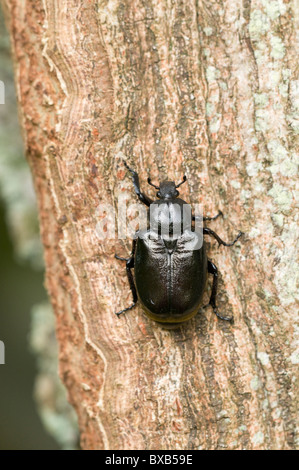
[(230, 319), (120, 258), (220, 213), (222, 317), (125, 309)]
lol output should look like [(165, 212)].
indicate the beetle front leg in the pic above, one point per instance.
[(208, 231), (212, 269), (141, 196), (129, 267)]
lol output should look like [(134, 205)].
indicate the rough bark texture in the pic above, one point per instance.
[(208, 89)]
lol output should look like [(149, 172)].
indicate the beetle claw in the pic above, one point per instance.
[(215, 310), (236, 239), (120, 312), (125, 309), (230, 319), (220, 214)]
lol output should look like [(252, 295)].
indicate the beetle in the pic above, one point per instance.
[(170, 277)]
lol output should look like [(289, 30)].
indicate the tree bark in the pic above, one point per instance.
[(206, 89)]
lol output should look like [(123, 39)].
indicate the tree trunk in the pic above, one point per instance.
[(206, 89)]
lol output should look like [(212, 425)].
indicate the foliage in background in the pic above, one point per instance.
[(57, 415), (15, 180), (17, 193)]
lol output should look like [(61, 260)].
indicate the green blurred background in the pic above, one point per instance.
[(21, 287), (34, 413)]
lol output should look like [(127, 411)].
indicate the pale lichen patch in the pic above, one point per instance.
[(245, 194), (274, 79), (278, 219), (236, 147), (253, 168), (259, 188), (281, 160), (212, 73), (263, 357), (255, 383), (222, 85), (254, 232), (286, 271), (259, 24), (261, 100), (277, 150), (294, 93), (293, 116), (215, 124), (278, 48), (294, 358), (235, 184), (258, 438), (282, 197), (262, 120), (288, 168), (210, 109), (274, 8), (208, 31)]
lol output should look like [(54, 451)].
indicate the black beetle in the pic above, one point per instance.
[(170, 278)]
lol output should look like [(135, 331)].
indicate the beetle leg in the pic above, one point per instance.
[(213, 218), (212, 269), (141, 196), (204, 218), (208, 231), (129, 267)]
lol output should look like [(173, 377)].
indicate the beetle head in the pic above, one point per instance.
[(167, 189)]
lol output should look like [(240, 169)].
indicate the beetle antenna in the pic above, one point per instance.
[(150, 182), (182, 182)]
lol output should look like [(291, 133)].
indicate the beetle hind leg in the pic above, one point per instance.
[(212, 269), (129, 267)]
